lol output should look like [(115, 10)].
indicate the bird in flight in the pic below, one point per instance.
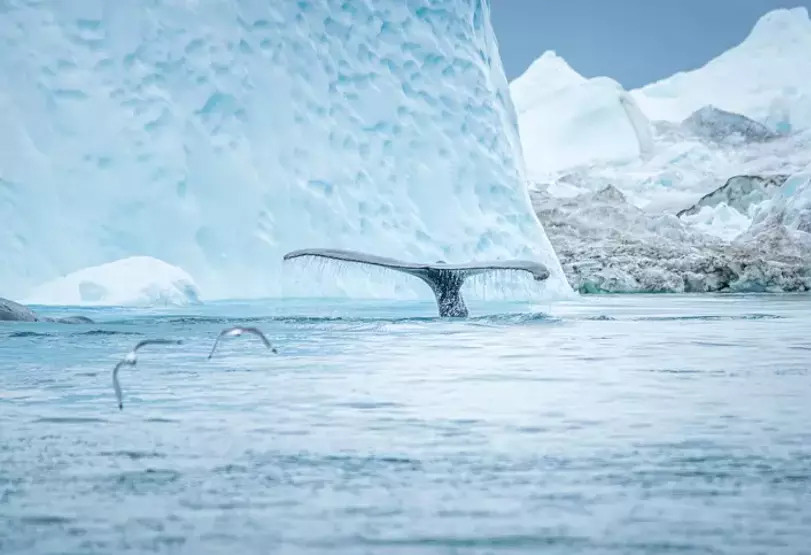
[(236, 331), (131, 360)]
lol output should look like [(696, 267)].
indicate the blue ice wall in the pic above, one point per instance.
[(219, 135)]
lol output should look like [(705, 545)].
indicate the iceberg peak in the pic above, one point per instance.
[(547, 74), (567, 120), (780, 25)]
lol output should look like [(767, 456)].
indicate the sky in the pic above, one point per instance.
[(635, 42)]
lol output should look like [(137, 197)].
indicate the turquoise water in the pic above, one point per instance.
[(618, 424)]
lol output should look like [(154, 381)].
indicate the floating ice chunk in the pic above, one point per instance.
[(138, 280)]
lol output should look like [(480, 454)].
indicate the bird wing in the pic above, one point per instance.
[(116, 384), (146, 342), (257, 332), (216, 342)]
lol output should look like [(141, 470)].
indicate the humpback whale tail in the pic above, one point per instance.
[(445, 280)]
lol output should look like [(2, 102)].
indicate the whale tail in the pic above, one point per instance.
[(445, 280)]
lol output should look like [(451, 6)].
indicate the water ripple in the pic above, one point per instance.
[(639, 424)]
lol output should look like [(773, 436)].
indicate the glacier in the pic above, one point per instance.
[(608, 245), (217, 136), (717, 200)]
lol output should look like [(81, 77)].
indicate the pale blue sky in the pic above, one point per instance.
[(633, 41)]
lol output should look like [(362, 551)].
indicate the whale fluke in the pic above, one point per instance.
[(445, 280)]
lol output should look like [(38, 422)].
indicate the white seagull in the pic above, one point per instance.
[(131, 360), (236, 331)]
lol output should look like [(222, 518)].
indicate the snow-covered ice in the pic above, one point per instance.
[(606, 244), (137, 280), (728, 211), (566, 120), (719, 200), (790, 205), (688, 156), (217, 136), (764, 78)]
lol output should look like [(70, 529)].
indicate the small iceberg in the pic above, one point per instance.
[(133, 281)]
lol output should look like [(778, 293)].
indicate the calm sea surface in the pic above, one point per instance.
[(616, 424)]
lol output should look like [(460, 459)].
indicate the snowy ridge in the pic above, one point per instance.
[(728, 151), (218, 136), (764, 78), (546, 75)]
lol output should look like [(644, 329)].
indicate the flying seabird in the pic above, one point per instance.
[(131, 360), (236, 331)]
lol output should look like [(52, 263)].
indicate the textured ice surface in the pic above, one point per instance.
[(731, 106), (764, 78), (566, 120), (729, 152), (741, 192), (217, 136), (728, 211), (721, 126), (790, 205), (685, 158), (719, 220), (138, 280), (608, 245)]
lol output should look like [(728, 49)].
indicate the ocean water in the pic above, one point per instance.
[(616, 424)]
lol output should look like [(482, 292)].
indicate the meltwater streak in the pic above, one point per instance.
[(633, 424)]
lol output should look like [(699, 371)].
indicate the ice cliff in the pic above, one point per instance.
[(216, 136)]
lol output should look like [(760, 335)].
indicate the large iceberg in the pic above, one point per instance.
[(216, 136), (566, 120)]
